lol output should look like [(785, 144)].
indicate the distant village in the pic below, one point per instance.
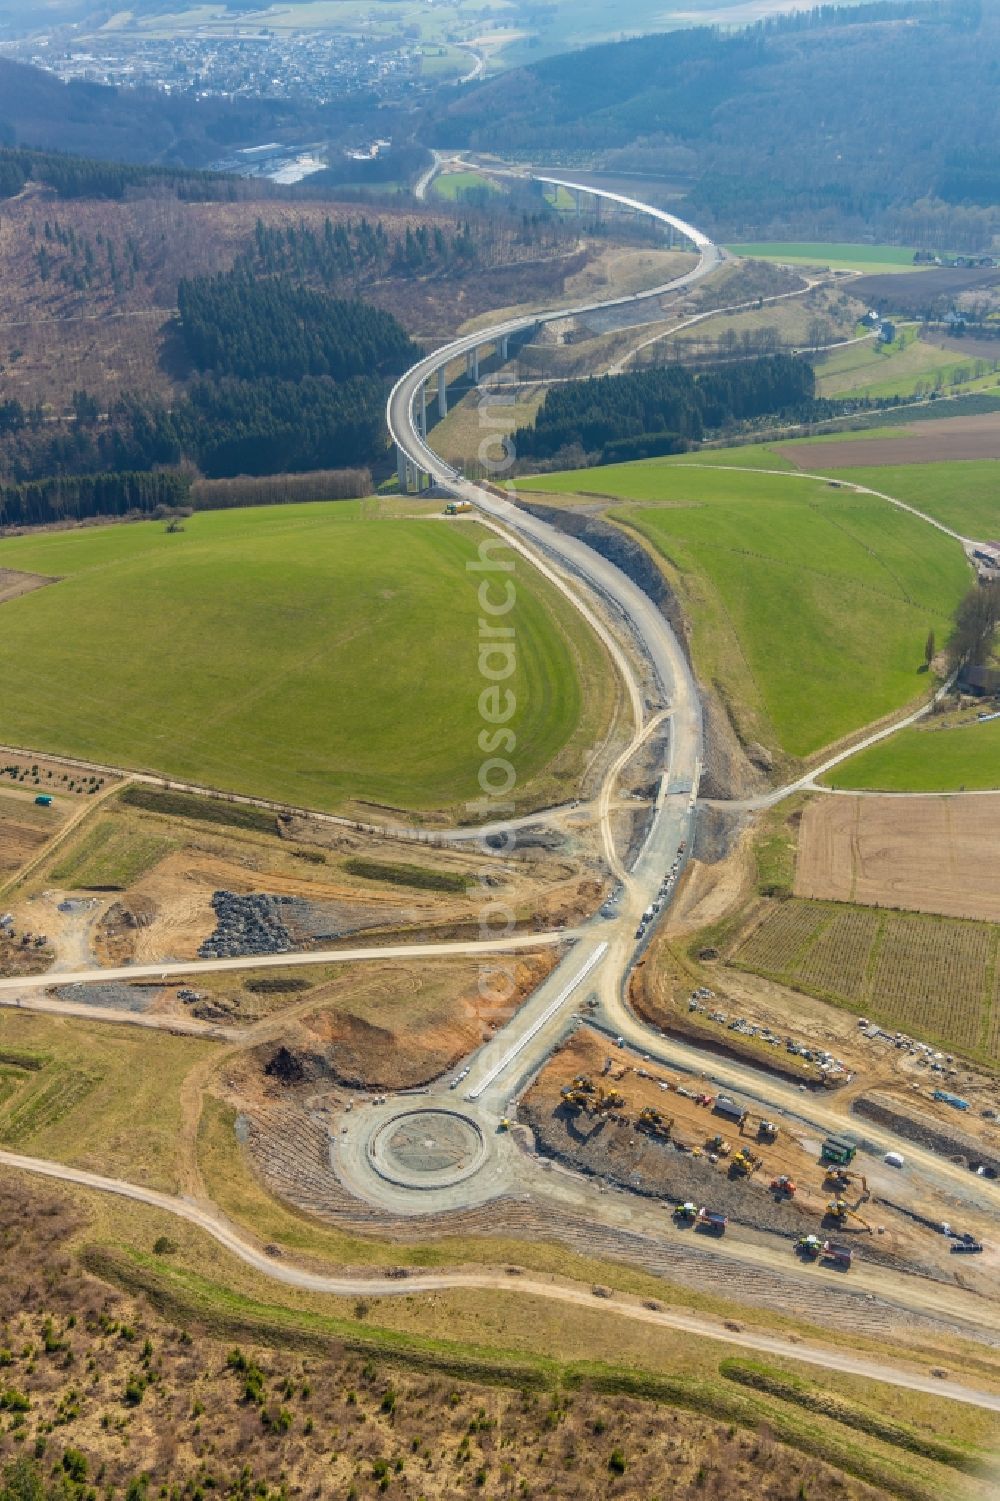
[(248, 62)]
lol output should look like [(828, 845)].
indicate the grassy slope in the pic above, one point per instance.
[(895, 369), (452, 185), (299, 652), (810, 606), (964, 494), (927, 760), (838, 256)]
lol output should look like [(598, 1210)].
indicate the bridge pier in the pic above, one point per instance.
[(423, 412), (472, 365), (503, 348), (443, 392), (402, 469)]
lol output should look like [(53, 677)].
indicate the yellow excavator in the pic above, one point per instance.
[(839, 1179), (654, 1122), (745, 1163), (841, 1211)]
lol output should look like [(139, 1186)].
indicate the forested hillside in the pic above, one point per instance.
[(818, 125), (664, 411), (128, 125), (238, 325)]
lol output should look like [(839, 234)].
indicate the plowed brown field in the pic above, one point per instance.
[(929, 854), (919, 443)]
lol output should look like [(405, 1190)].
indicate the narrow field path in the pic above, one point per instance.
[(565, 1292)]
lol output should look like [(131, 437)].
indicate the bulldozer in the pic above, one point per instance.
[(654, 1122), (744, 1164), (783, 1186), (841, 1211)]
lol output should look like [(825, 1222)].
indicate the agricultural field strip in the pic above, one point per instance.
[(525, 1286), (61, 834), (934, 976)]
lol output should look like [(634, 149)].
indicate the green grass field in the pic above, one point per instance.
[(963, 493), (907, 367), (454, 185), (838, 255), (298, 652), (810, 605), (927, 759)]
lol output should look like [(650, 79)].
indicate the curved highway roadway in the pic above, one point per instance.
[(606, 949)]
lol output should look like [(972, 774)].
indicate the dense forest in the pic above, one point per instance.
[(233, 324), (816, 125), (353, 250), (663, 411), (73, 497)]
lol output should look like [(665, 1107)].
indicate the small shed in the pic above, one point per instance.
[(838, 1151)]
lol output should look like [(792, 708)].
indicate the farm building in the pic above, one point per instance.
[(982, 682)]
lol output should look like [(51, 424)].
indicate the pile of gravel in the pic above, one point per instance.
[(246, 925)]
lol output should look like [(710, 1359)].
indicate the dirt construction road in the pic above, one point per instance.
[(531, 1287)]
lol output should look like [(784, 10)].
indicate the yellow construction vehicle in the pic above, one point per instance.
[(654, 1122), (744, 1164), (688, 1212), (574, 1099), (719, 1145), (840, 1179), (840, 1210), (606, 1101), (504, 1124)]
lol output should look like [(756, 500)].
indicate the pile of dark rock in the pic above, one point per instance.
[(250, 924)]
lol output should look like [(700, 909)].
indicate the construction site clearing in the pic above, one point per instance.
[(136, 885), (673, 1137)]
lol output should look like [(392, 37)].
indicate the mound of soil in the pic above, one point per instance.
[(955, 1145)]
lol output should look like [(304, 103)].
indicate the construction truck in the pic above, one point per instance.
[(783, 1186), (710, 1220), (687, 1212), (841, 1211), (457, 508), (809, 1245), (654, 1122), (841, 1256)]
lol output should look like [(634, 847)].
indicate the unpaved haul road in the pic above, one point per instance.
[(176, 971), (346, 1286)]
